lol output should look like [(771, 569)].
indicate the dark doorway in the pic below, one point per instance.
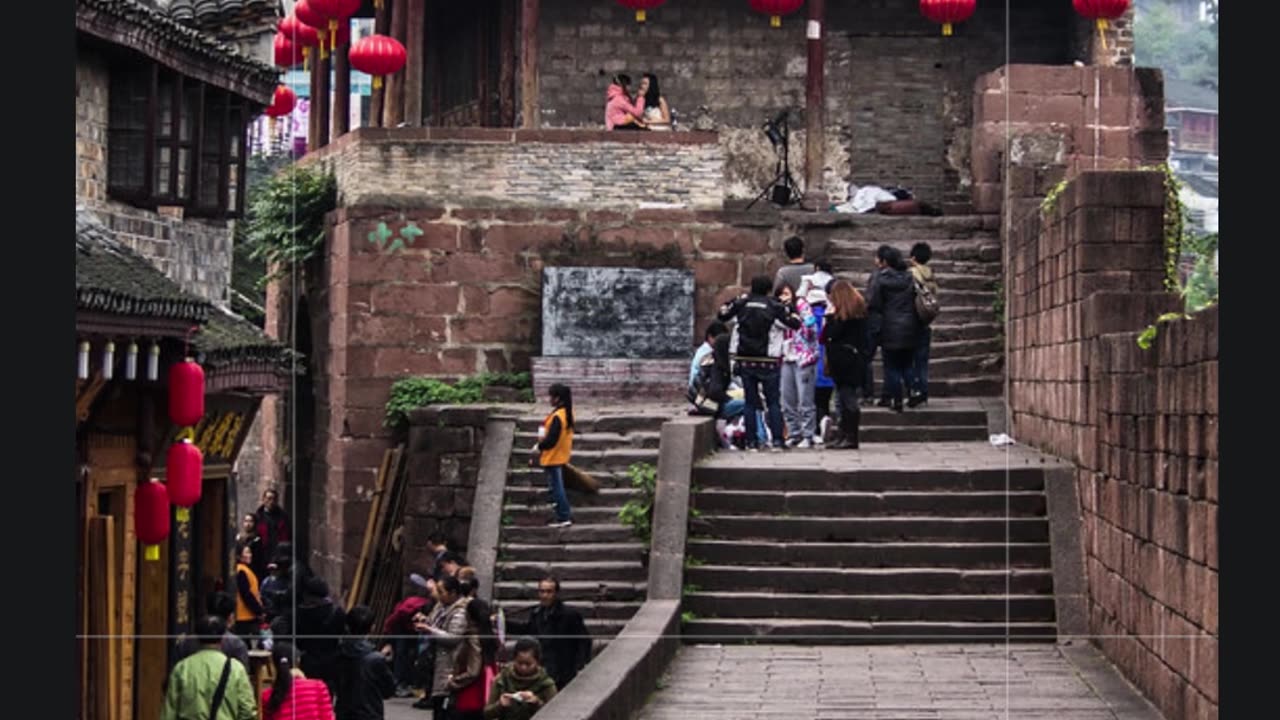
[(470, 64)]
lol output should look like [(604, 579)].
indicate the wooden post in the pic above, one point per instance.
[(815, 127), (416, 48), (341, 91), (320, 104), (381, 26), (394, 114), (507, 64), (313, 110), (529, 64)]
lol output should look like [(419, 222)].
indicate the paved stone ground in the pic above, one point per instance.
[(922, 682), (880, 456)]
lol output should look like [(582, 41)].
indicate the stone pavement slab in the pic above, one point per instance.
[(935, 682), (892, 456)]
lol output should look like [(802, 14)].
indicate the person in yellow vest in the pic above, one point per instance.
[(555, 443), (249, 611)]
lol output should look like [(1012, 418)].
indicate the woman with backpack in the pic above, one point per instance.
[(892, 308)]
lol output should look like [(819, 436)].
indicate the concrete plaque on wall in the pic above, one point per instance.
[(604, 312)]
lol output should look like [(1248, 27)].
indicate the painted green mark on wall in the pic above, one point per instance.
[(406, 237)]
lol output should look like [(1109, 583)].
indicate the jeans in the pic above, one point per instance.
[(555, 483), (918, 382), (797, 400), (753, 379), (897, 368), (850, 414), (404, 652)]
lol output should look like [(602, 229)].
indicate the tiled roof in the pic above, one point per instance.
[(112, 278), (229, 338), (209, 13)]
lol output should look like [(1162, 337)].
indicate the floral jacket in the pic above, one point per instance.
[(801, 346)]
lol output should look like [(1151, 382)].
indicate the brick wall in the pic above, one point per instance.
[(1056, 121), (194, 253), (443, 467), (720, 55), (1140, 426), (478, 166)]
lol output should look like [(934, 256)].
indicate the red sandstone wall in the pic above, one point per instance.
[(1141, 426)]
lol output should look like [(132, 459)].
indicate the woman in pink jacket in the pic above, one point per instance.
[(620, 111)]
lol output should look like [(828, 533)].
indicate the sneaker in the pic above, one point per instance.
[(823, 427), (776, 448), (753, 448), (817, 440), (804, 444), (559, 523), (423, 704), (792, 442)]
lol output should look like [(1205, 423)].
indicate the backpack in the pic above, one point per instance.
[(927, 307)]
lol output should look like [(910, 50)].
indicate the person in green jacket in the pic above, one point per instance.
[(194, 681), (523, 686)]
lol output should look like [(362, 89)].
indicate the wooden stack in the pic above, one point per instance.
[(379, 575)]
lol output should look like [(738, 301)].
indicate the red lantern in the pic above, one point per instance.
[(282, 103), (378, 55), (302, 36), (287, 54), (151, 517), (184, 470), (309, 16), (186, 393), (1101, 11), (338, 12), (640, 6), (948, 12), (775, 9)]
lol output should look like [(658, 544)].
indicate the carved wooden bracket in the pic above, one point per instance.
[(86, 392)]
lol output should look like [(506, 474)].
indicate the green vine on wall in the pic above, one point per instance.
[(1050, 200), (411, 393), (1175, 225), (286, 217), (638, 512)]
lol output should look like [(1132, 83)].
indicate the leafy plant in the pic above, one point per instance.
[(409, 394), (637, 513), (692, 562), (286, 217), (691, 588), (688, 616), (1050, 200)]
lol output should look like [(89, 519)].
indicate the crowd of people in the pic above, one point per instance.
[(807, 336)]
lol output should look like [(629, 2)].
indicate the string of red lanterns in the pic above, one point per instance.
[(339, 12), (184, 465), (151, 517), (1101, 11), (300, 36), (948, 12), (775, 9)]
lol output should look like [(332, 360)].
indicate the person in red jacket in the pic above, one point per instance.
[(273, 523), (292, 696), (401, 638)]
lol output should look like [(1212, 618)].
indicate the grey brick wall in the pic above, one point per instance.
[(194, 253), (898, 94)]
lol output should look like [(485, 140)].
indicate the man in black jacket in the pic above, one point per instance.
[(757, 347), (363, 678), (319, 623), (566, 643)]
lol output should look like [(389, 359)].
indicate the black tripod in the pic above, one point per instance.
[(783, 189)]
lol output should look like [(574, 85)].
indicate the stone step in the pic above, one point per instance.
[(598, 440), (872, 608), (593, 460), (882, 555), (1019, 479), (523, 476), (961, 314), (963, 387), (581, 590), (921, 433), (576, 533), (620, 424), (943, 368), (879, 529), (950, 296), (944, 333), (622, 611), (873, 504), (526, 515), (869, 581), (836, 632), (536, 496), (614, 571), (939, 414), (899, 229), (990, 268), (993, 345), (587, 552)]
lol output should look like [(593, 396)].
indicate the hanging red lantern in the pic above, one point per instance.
[(184, 472), (640, 6), (343, 37), (338, 12), (378, 55), (1101, 11), (948, 12), (775, 9), (309, 16), (302, 36), (151, 517), (186, 393), (282, 103), (287, 54)]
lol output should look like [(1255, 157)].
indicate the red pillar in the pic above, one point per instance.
[(815, 110), (529, 64)]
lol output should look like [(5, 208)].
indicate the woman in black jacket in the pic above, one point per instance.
[(844, 334), (892, 306)]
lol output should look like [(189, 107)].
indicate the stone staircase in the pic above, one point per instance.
[(869, 549), (967, 351), (598, 560)]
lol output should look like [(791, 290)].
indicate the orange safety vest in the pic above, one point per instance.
[(558, 455), (242, 610)]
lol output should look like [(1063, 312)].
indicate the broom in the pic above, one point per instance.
[(576, 479)]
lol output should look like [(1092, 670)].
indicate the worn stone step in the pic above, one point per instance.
[(525, 515), (874, 229), (902, 554), (571, 552), (872, 608), (964, 348), (612, 570), (537, 495), (622, 611), (991, 268), (879, 529), (819, 479), (952, 296), (523, 476), (620, 423), (836, 632), (872, 504), (576, 533), (598, 440), (963, 387), (964, 366), (922, 433), (934, 414), (944, 332), (580, 590), (594, 460), (960, 314), (869, 581)]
